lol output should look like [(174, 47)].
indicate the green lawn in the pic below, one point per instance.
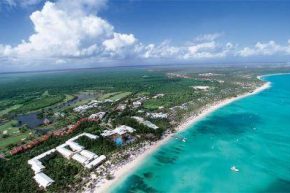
[(46, 93), (14, 107), (120, 96), (41, 102), (14, 135), (115, 95), (68, 97), (13, 139), (109, 95), (8, 127)]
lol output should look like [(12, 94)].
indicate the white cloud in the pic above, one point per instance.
[(119, 41), (207, 37), (194, 49), (163, 50), (22, 3), (206, 46), (57, 33), (265, 49), (70, 30)]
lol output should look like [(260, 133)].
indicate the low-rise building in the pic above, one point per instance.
[(46, 121), (43, 180), (88, 154), (145, 122), (64, 151), (120, 135), (158, 96), (157, 115), (137, 104), (121, 130), (78, 153), (201, 87), (108, 101), (81, 159), (84, 108), (74, 146), (36, 165), (96, 162), (98, 116), (121, 107)]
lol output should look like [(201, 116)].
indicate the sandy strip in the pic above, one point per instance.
[(130, 166)]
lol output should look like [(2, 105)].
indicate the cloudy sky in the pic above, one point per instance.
[(41, 34)]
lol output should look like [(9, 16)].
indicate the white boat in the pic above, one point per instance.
[(235, 169), (183, 139)]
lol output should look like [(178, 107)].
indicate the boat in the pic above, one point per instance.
[(183, 139), (235, 169)]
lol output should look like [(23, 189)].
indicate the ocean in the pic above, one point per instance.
[(252, 134)]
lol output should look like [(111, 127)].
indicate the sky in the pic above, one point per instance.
[(57, 34)]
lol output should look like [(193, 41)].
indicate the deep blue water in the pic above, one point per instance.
[(252, 134)]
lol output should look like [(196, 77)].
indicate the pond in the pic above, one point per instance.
[(30, 119)]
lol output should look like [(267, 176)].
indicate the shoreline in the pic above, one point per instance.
[(126, 169)]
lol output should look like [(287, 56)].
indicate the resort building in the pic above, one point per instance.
[(158, 96), (137, 104), (84, 108), (81, 159), (121, 130), (74, 146), (108, 101), (88, 154), (91, 136), (45, 154), (157, 115), (201, 87), (96, 162), (43, 180), (46, 121), (121, 107), (119, 135), (145, 122), (64, 151), (94, 102), (99, 115), (36, 165), (76, 152)]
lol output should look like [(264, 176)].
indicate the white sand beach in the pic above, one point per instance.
[(124, 170)]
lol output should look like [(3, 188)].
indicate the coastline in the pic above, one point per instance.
[(124, 170)]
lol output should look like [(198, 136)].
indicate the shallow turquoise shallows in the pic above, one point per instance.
[(252, 134)]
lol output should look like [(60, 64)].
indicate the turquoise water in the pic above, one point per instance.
[(253, 134)]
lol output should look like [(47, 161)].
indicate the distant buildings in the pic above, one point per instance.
[(108, 101), (98, 116), (46, 121), (119, 135), (43, 180), (201, 87), (64, 151), (158, 96), (121, 130), (70, 150), (84, 108), (146, 123), (157, 115), (137, 104), (121, 107)]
